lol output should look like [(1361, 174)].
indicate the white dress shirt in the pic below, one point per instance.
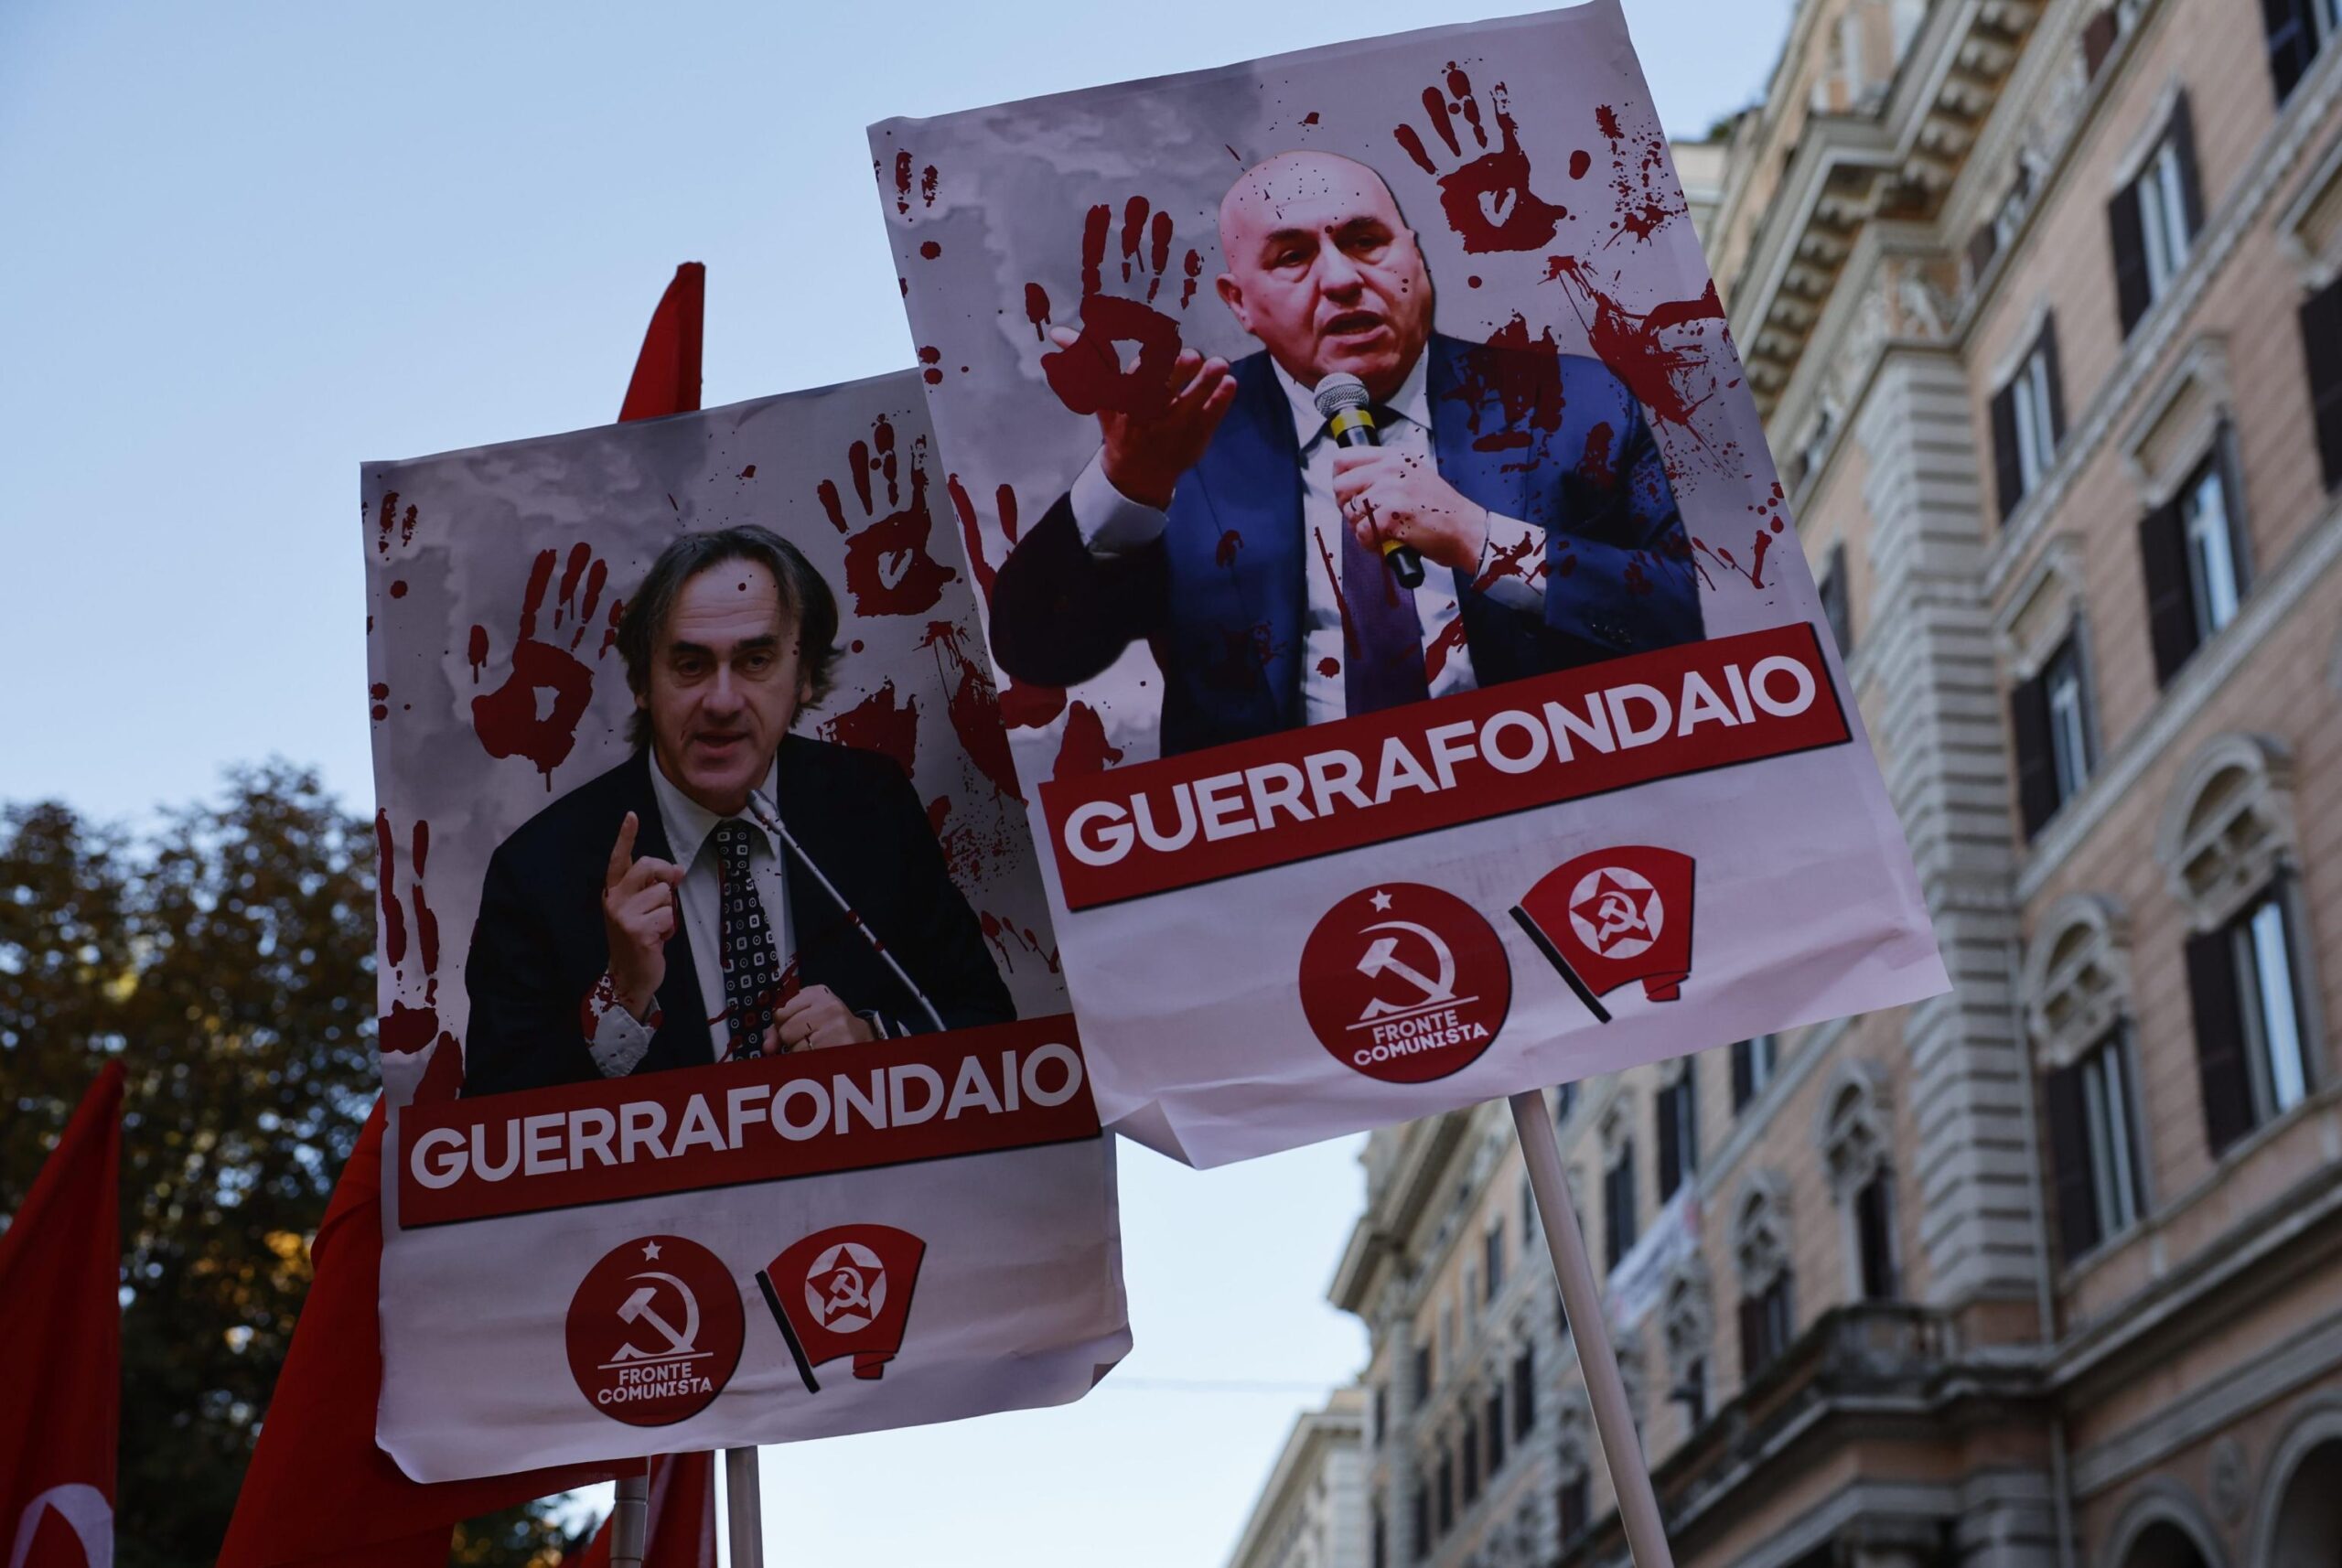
[(620, 1039), (1111, 523)]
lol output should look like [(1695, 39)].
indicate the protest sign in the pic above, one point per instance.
[(1339, 834), (736, 1095)]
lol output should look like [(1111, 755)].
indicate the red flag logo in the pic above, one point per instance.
[(845, 1291), (1612, 916)]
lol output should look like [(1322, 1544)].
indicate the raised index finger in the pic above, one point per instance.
[(621, 853)]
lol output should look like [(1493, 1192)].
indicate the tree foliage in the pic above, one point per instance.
[(226, 957)]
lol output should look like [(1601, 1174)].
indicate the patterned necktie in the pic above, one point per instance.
[(751, 965), (1382, 634)]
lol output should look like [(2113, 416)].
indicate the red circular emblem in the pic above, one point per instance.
[(655, 1331), (1405, 983)]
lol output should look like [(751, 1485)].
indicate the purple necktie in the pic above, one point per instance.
[(1382, 633)]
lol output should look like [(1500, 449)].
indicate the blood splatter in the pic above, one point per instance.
[(1030, 707), (1090, 375), (930, 250), (1224, 553), (1596, 466), (882, 722), (890, 567), (927, 184), (1511, 561), (1486, 199), (1435, 653), (1084, 748), (748, 473), (973, 707), (398, 588), (1310, 118), (1037, 311), (1330, 666), (393, 915), (389, 518), (1580, 161), (426, 924), (972, 533), (535, 713), (1523, 376), (1000, 933), (1244, 653), (1642, 187), (1628, 343)]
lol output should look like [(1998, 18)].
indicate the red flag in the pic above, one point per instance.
[(666, 373), (318, 1490), (60, 1315), (1612, 916), (845, 1291), (682, 1528)]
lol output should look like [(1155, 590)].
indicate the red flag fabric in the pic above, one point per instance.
[(318, 1490), (681, 1533), (60, 1315), (666, 373), (845, 1291)]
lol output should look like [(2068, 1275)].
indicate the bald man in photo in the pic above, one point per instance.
[(1232, 534)]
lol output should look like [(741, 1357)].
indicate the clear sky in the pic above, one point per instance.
[(250, 247)]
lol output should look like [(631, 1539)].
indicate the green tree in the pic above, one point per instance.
[(226, 957)]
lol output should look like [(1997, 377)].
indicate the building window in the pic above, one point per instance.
[(1686, 1325), (1573, 1448), (1524, 1392), (2028, 421), (2297, 29), (1471, 1463), (1492, 1246), (1678, 1114), (2049, 716), (1752, 1069), (2243, 980), (1857, 1140), (1422, 1375), (1446, 1490), (1494, 1427), (1381, 1415), (1837, 604), (1447, 1357), (1423, 1519), (1618, 1205), (1564, 1101), (1576, 1506), (2094, 1147), (1528, 1215), (2322, 342), (1761, 1249), (2155, 219), (2190, 550), (1379, 1551)]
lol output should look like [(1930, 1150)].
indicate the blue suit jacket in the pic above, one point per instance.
[(1221, 597)]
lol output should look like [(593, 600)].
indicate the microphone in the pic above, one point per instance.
[(770, 818), (1349, 415)]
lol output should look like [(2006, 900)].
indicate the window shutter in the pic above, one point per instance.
[(1744, 1076), (2321, 340), (1670, 1148), (2007, 469), (2098, 39), (2069, 1162), (2170, 602), (2220, 1039), (2182, 141), (2057, 381), (2293, 42), (2037, 764), (2130, 237)]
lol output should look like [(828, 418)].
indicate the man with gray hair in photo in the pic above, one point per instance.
[(730, 889)]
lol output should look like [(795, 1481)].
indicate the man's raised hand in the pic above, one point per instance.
[(1387, 494), (815, 1019), (638, 917), (1146, 451)]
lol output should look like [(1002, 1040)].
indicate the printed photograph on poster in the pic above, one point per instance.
[(1369, 508), (720, 1010)]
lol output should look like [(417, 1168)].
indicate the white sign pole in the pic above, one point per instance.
[(630, 1519), (1622, 1449), (744, 1508)]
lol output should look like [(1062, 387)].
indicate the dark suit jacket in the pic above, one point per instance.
[(538, 946), (1221, 598)]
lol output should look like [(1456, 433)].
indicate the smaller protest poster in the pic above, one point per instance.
[(737, 1098), (1410, 662)]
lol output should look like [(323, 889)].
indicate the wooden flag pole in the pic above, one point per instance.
[(744, 1508), (630, 1519), (1622, 1448)]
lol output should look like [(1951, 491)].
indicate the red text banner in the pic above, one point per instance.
[(1389, 775), (1009, 1086)]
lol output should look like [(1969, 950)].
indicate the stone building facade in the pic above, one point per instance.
[(1312, 1511), (2042, 301)]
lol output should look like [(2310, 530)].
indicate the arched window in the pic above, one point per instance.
[(2076, 988), (1856, 1137), (2229, 846), (1619, 1216), (1760, 1248), (1574, 1451), (1686, 1328)]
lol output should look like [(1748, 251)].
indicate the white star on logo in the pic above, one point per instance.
[(1381, 902), (649, 1250)]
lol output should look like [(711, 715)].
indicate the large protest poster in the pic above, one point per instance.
[(831, 1164), (1329, 848)]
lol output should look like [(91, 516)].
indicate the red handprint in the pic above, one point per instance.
[(1088, 373), (517, 719), (889, 569), (1021, 707), (1487, 200), (412, 1028)]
